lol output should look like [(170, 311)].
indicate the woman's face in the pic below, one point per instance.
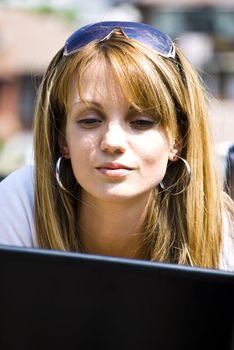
[(116, 152)]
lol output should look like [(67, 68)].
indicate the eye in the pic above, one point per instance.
[(89, 123), (142, 123), (90, 119)]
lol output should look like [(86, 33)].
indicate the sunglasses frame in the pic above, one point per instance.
[(140, 32)]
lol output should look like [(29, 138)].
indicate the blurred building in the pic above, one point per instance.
[(28, 41)]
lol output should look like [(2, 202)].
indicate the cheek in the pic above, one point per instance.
[(82, 152), (156, 164), (155, 151), (154, 160), (79, 145)]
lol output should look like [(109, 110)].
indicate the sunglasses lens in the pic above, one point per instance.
[(140, 32), (83, 37), (153, 38)]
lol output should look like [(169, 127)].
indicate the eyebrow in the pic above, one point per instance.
[(87, 104), (94, 104)]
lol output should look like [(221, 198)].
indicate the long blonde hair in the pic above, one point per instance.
[(184, 228)]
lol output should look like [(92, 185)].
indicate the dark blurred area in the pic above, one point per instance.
[(229, 180), (32, 32)]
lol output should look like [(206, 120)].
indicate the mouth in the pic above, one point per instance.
[(114, 169)]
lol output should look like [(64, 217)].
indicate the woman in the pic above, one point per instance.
[(124, 165)]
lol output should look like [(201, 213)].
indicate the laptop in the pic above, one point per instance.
[(57, 300)]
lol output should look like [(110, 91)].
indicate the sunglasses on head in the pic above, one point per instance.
[(140, 32)]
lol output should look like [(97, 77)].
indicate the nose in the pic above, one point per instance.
[(114, 139)]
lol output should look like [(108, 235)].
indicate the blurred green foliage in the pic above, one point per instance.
[(66, 14)]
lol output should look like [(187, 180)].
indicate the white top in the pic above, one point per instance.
[(17, 208), (17, 216)]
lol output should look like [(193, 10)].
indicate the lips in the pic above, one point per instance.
[(113, 166), (114, 169)]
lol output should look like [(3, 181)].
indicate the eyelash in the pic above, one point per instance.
[(89, 123), (143, 124)]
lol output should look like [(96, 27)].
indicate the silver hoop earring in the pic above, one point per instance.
[(57, 173), (188, 178)]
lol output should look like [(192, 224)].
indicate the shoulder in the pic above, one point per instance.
[(19, 176), (19, 185), (17, 208)]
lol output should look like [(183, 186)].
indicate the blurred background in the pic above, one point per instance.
[(31, 32)]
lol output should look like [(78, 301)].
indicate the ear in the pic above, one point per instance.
[(174, 151), (63, 146)]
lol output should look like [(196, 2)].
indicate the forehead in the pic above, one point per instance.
[(96, 83)]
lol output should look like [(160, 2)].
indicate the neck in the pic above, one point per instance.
[(110, 228)]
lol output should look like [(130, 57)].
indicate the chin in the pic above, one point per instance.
[(122, 196)]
